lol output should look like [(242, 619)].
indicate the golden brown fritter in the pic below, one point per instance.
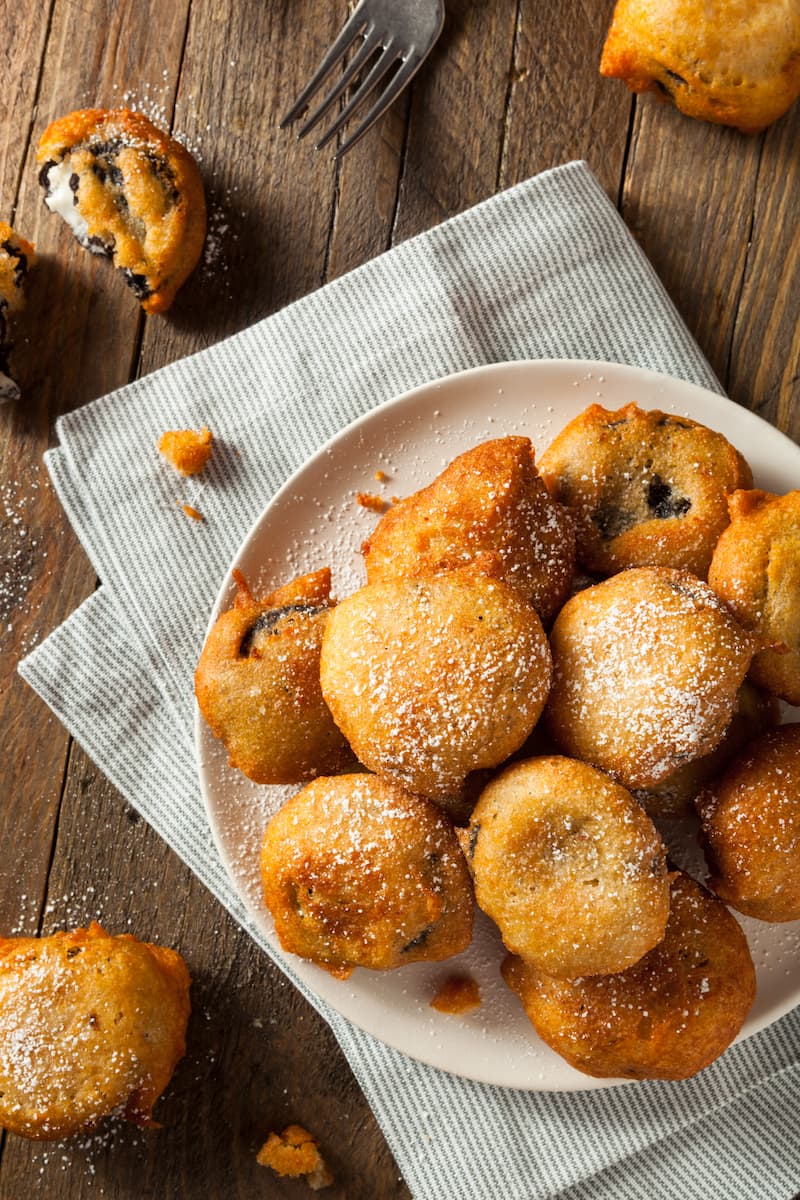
[(432, 678), (756, 571), (357, 872), (489, 499), (90, 1025), (734, 62), (668, 1016), (129, 190), (751, 826), (16, 258), (755, 713), (257, 683), (646, 669), (645, 488), (570, 868)]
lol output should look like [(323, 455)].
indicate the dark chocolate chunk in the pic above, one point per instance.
[(44, 174), (664, 501), (266, 622), (419, 940), (138, 283)]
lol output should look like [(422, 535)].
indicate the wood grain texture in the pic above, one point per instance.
[(511, 88)]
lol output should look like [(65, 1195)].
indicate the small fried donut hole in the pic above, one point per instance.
[(90, 1024), (432, 678), (570, 868), (667, 1017), (646, 670), (357, 872), (751, 826), (257, 683)]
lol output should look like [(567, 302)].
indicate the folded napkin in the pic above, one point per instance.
[(545, 270)]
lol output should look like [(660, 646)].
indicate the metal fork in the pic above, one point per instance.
[(401, 32)]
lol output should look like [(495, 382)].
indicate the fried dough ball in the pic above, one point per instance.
[(569, 867), (357, 872), (90, 1024), (489, 499), (257, 683), (756, 570), (755, 713), (733, 62), (646, 669), (645, 488), (751, 826), (432, 678), (668, 1016)]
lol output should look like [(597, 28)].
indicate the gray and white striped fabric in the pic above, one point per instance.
[(545, 270)]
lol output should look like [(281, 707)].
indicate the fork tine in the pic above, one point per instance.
[(368, 47), (385, 63), (338, 49), (396, 86)]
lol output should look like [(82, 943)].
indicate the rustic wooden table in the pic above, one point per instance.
[(511, 88)]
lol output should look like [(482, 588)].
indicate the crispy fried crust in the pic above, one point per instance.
[(139, 192), (756, 571), (433, 678), (489, 499), (90, 1024), (755, 713), (751, 826), (357, 871), (730, 61), (646, 488), (257, 683), (646, 670), (570, 868), (668, 1016)]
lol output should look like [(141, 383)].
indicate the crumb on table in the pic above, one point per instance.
[(381, 477), (457, 994), (187, 450), (295, 1152)]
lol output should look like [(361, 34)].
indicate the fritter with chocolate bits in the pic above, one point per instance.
[(357, 872), (432, 678), (16, 257), (129, 191), (756, 571), (645, 488), (646, 670), (257, 683), (667, 1017), (90, 1025), (489, 499), (570, 868), (751, 827)]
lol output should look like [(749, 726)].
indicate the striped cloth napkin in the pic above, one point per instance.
[(544, 270)]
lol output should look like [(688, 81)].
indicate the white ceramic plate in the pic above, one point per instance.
[(315, 520)]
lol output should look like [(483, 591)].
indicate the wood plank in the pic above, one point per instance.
[(764, 369), (457, 114), (270, 199), (25, 29), (688, 198), (559, 107), (258, 1057)]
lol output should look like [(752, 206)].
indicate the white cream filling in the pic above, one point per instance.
[(61, 199)]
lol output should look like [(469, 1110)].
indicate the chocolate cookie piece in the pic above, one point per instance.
[(129, 191)]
